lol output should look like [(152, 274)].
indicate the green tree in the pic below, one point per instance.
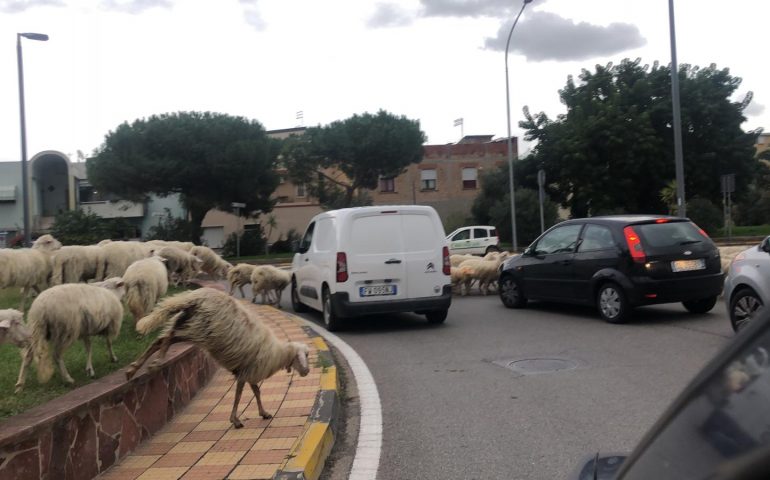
[(613, 149), (210, 159), (170, 228), (338, 162), (76, 227)]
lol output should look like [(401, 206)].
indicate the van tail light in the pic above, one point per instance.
[(634, 245), (342, 267), (445, 260)]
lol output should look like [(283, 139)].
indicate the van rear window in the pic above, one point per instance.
[(668, 234), (420, 234), (394, 233)]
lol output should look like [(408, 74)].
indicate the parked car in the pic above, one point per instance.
[(366, 260), (747, 286), (718, 427), (474, 240), (617, 262)]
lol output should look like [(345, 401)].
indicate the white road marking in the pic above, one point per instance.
[(367, 459)]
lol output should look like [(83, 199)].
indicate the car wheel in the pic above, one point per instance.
[(331, 320), (436, 316), (743, 307), (700, 306), (510, 293), (296, 303), (491, 248), (612, 303)]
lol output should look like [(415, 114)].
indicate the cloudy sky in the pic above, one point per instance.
[(110, 61)]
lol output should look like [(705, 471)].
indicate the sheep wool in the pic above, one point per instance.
[(28, 268), (146, 281), (233, 335), (119, 255), (181, 265), (240, 275), (269, 281), (77, 263), (212, 264)]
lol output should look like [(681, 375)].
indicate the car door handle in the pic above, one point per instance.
[(307, 259), (392, 260)]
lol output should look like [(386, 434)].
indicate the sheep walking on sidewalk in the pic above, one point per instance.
[(238, 276), (231, 333), (65, 313), (269, 281)]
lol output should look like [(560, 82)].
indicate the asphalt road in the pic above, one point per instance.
[(451, 410)]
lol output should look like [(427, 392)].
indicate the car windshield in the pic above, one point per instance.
[(669, 234)]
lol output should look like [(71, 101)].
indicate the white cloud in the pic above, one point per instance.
[(389, 15), (134, 6), (18, 6)]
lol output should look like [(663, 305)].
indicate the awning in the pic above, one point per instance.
[(7, 193)]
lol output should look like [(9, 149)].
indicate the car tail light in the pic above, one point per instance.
[(702, 232), (634, 245), (447, 264), (342, 267)]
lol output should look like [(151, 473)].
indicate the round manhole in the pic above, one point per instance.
[(532, 366)]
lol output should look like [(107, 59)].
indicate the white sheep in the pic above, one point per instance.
[(186, 246), (270, 282), (212, 264), (77, 263), (28, 268), (181, 265), (14, 331), (456, 259), (461, 279), (146, 281), (238, 276), (65, 313), (485, 271), (231, 333), (118, 255)]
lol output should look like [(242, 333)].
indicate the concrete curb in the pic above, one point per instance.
[(309, 453)]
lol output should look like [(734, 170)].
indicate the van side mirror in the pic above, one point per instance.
[(765, 245)]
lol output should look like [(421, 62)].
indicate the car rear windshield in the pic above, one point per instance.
[(669, 234)]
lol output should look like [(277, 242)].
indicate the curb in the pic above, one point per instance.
[(308, 455)]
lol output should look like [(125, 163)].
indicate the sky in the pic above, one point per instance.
[(289, 63)]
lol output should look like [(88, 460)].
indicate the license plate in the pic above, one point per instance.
[(377, 290), (688, 265)]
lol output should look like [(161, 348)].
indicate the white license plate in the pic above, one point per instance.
[(377, 290), (688, 265)]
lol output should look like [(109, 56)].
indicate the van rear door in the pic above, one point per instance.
[(423, 249), (375, 255)]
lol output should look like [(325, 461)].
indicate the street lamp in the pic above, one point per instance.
[(24, 176), (680, 200), (508, 113)]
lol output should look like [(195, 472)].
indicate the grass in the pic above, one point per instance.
[(128, 346), (746, 231), (272, 256)]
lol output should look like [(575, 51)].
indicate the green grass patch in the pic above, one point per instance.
[(128, 346), (746, 231), (251, 258)]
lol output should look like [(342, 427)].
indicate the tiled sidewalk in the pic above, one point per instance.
[(200, 443)]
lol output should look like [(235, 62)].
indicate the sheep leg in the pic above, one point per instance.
[(162, 349), (26, 359), (89, 365), (233, 415), (57, 355), (113, 357), (137, 364), (240, 287), (262, 412)]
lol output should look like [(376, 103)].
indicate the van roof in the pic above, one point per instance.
[(346, 212)]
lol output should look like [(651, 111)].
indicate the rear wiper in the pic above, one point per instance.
[(688, 242)]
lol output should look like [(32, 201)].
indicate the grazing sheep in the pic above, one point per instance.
[(119, 255), (238, 276), (77, 263), (12, 328), (181, 265), (269, 280), (213, 264), (65, 313), (146, 281), (28, 268), (233, 335)]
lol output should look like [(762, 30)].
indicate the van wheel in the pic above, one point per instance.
[(331, 320), (296, 303), (612, 303), (700, 306), (510, 293), (437, 316), (491, 248), (743, 307)]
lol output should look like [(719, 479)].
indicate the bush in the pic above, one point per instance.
[(287, 245), (76, 227), (705, 214), (170, 228), (252, 243)]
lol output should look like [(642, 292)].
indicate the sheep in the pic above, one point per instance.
[(119, 255), (461, 277), (485, 271), (12, 328), (238, 276), (65, 313), (233, 335), (77, 263), (181, 265), (213, 264), (457, 259), (146, 281), (28, 268), (267, 280), (185, 246)]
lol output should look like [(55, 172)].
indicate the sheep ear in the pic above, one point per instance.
[(119, 283)]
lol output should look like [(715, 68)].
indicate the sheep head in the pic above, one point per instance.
[(47, 243), (12, 328), (299, 358), (115, 284)]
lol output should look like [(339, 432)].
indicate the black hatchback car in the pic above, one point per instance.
[(617, 262)]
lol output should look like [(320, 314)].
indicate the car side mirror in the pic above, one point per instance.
[(527, 252), (765, 245)]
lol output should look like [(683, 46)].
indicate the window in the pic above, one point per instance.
[(596, 237), (480, 233), (301, 190), (469, 178), (88, 194), (388, 184), (558, 240), (307, 239), (463, 235), (428, 179)]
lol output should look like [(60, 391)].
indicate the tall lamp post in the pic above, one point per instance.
[(24, 176), (679, 162), (508, 114)]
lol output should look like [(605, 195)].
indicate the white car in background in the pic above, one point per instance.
[(747, 286), (474, 240)]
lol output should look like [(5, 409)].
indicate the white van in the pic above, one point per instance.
[(368, 260)]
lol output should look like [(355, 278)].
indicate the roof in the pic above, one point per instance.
[(641, 218)]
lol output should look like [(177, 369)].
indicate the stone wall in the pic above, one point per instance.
[(84, 432)]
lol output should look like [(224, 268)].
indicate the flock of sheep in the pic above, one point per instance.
[(81, 293), (469, 269)]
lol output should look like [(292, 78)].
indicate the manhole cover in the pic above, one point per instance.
[(534, 366)]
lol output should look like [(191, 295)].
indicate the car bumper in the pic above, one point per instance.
[(344, 308), (648, 291)]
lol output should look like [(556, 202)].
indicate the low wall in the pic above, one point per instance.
[(84, 432)]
